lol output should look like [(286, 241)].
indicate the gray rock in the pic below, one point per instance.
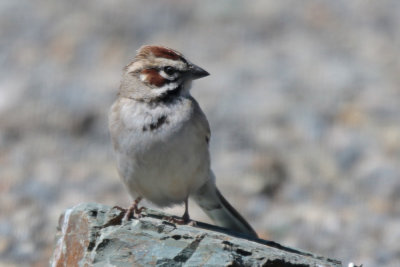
[(84, 240)]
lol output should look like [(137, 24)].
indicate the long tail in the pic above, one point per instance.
[(220, 211)]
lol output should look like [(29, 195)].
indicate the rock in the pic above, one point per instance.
[(82, 240)]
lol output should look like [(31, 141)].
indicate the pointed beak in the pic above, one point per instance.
[(197, 72)]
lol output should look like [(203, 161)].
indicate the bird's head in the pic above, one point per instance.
[(158, 72)]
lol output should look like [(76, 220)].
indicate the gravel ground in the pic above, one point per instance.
[(303, 102)]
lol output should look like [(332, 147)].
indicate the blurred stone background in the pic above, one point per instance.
[(303, 102)]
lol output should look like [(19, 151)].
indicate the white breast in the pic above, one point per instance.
[(162, 152)]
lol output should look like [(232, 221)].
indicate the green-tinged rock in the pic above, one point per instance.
[(84, 241)]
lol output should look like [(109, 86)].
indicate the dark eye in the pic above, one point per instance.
[(169, 70)]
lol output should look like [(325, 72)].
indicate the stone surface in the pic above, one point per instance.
[(150, 240)]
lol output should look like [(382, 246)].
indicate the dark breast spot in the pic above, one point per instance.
[(157, 124), (153, 77)]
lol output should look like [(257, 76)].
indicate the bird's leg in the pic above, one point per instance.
[(133, 209), (185, 218), (125, 214)]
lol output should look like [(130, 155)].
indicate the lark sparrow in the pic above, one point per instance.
[(160, 136)]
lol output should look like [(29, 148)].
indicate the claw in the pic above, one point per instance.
[(179, 221), (125, 214), (117, 220)]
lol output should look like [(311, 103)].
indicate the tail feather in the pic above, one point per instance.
[(220, 211)]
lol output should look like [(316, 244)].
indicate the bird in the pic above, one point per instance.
[(161, 136)]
